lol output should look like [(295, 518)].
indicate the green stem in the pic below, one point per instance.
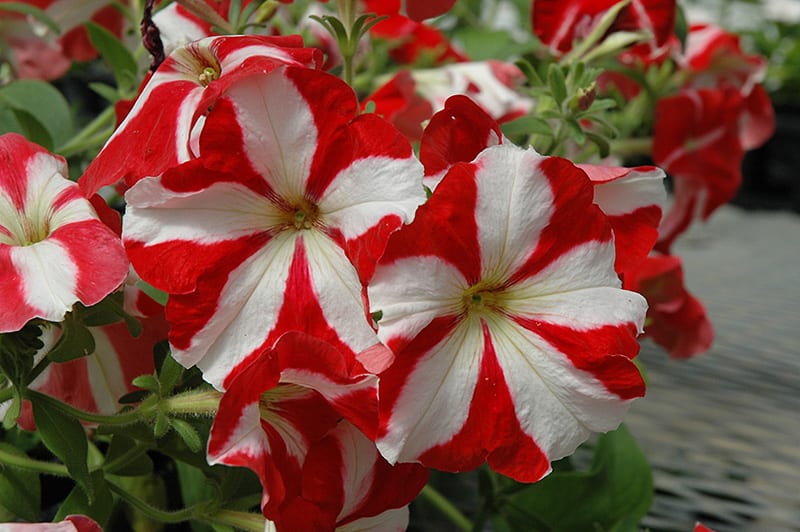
[(126, 457), (125, 418), (24, 462), (164, 516), (203, 403), (240, 520), (635, 147), (6, 393), (94, 131), (447, 508)]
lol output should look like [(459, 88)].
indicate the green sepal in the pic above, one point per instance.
[(20, 489), (161, 426), (65, 438), (148, 382), (12, 414), (169, 374), (187, 434)]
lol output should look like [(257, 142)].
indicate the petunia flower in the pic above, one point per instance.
[(631, 198), (676, 319), (156, 132), (282, 418), (409, 40), (54, 251), (558, 23), (513, 339), (696, 141), (411, 97), (714, 59), (277, 224)]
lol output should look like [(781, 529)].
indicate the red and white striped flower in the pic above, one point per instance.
[(260, 235), (156, 133), (696, 140), (282, 418), (54, 251), (632, 198), (513, 339), (558, 23)]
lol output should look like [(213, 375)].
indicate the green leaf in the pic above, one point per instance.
[(196, 487), (76, 341), (139, 464), (122, 63), (617, 488), (98, 508), (44, 104), (481, 44), (533, 77), (557, 83), (20, 490), (65, 438), (106, 91), (32, 129), (528, 125), (35, 12), (576, 131)]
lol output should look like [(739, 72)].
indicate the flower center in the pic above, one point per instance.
[(482, 298), (24, 230), (198, 63), (303, 215)]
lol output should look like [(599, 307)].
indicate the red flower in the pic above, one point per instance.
[(714, 59), (410, 40), (696, 140), (499, 296), (155, 134), (282, 418), (558, 23), (281, 235), (676, 320)]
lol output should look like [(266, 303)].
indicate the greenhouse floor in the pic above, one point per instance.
[(722, 431)]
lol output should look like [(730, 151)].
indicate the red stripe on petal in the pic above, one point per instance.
[(604, 352), (98, 256), (572, 201), (492, 431), (14, 309), (445, 226)]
